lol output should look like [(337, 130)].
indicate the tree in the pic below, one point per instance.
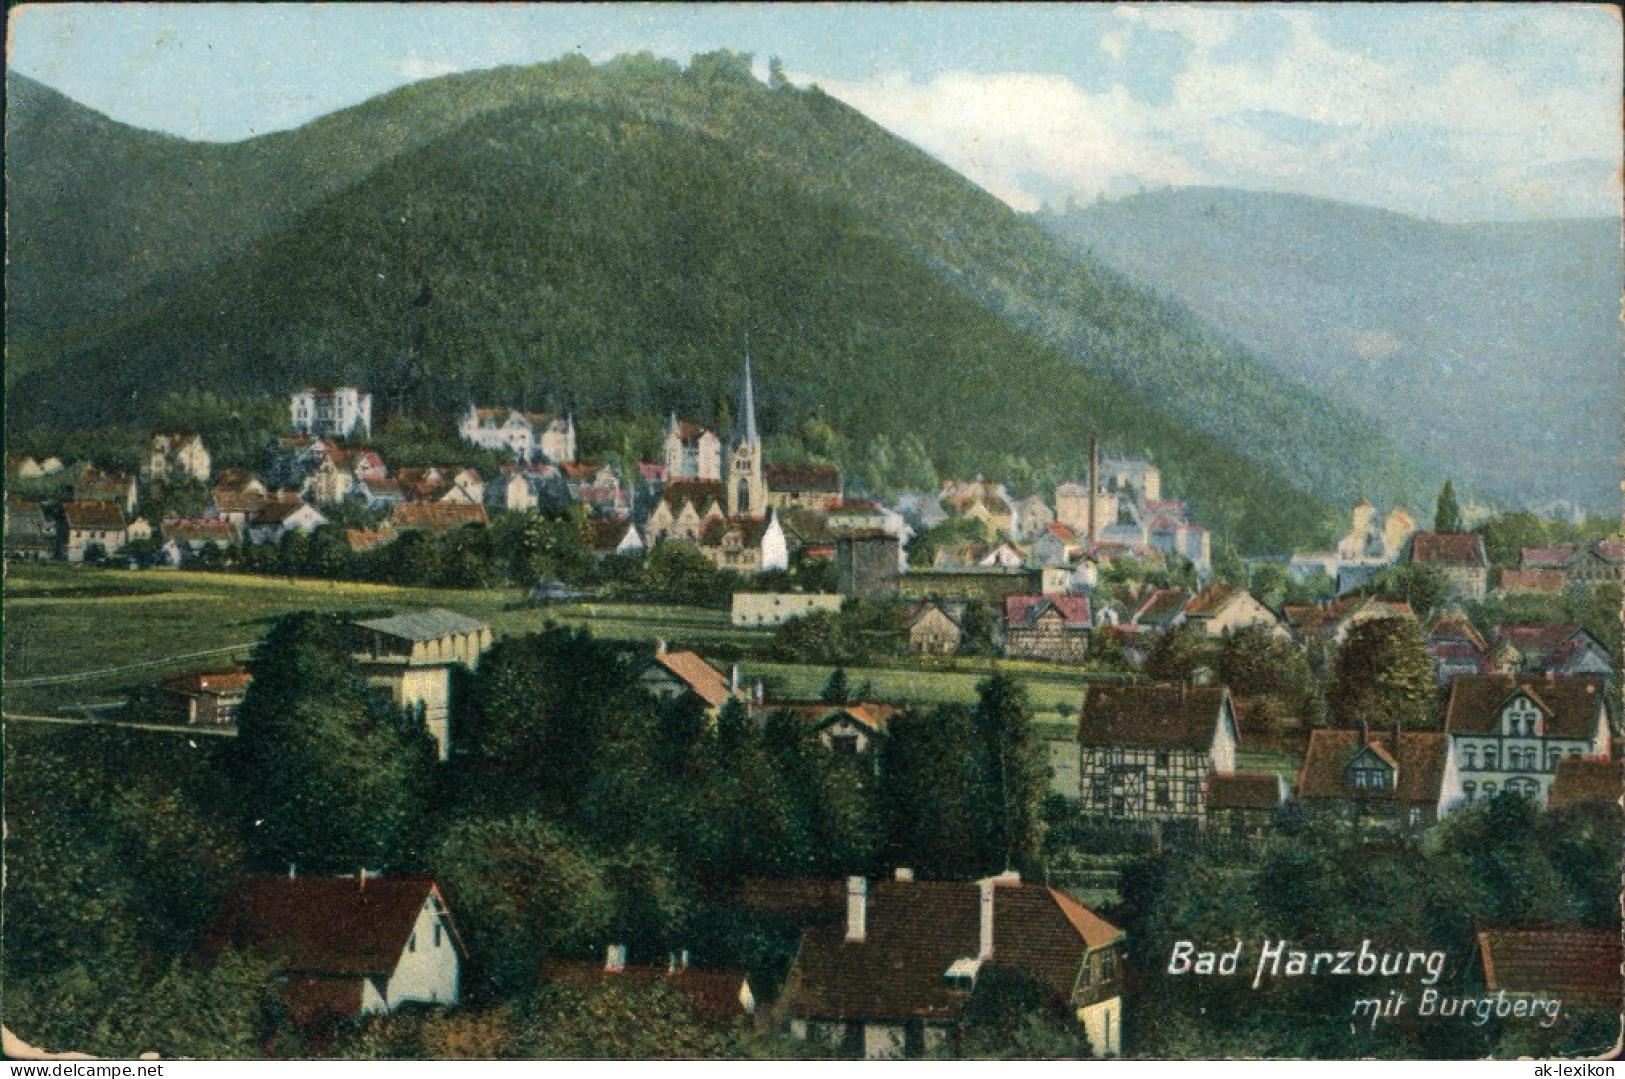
[(1384, 675), (835, 688), (1174, 656), (933, 795), (1447, 515), (1253, 663), (334, 777), (1420, 584), (1016, 769)]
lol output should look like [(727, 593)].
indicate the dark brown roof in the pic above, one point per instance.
[(1586, 779), (914, 932), (1570, 702), (1313, 618), (324, 925), (1448, 548), (1162, 605), (1419, 755), (802, 478), (436, 516), (1529, 637), (605, 533), (1455, 626), (700, 492), (1163, 716), (689, 431), (1211, 600), (750, 530), (274, 513), (1581, 966), (713, 995), (316, 1002), (1243, 790), (93, 515)]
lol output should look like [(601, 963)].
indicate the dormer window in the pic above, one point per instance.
[(1520, 717), (961, 973)]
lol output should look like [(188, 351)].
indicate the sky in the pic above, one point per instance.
[(1456, 113)]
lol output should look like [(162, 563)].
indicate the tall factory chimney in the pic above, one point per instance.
[(1094, 481)]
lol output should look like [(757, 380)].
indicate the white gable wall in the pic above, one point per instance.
[(428, 968)]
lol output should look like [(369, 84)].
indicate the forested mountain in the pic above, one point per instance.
[(604, 239), (1493, 349)]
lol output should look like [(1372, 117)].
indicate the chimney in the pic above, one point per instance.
[(361, 876), (1094, 470), (984, 947), (1365, 731), (293, 868), (903, 873), (682, 959), (615, 959), (660, 646), (857, 909), (733, 680)]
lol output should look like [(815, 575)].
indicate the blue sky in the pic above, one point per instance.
[(1458, 113)]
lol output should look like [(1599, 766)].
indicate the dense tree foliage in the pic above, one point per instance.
[(1383, 675), (1447, 513)]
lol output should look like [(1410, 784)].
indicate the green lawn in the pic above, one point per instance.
[(116, 629), (1281, 763)]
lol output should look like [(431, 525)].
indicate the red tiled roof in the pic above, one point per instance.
[(916, 929), (232, 681), (1580, 966), (1024, 610), (324, 925), (1586, 779), (1420, 757), (1171, 716), (708, 683), (713, 995), (362, 539), (1064, 533), (872, 714), (93, 515), (1570, 702), (1212, 599), (1455, 627), (1610, 550), (1535, 636), (651, 470), (1545, 557), (1243, 790), (436, 516), (205, 529), (802, 478), (1309, 618), (1448, 548), (1161, 605)]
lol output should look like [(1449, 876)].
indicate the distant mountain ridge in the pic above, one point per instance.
[(1492, 348), (602, 238)]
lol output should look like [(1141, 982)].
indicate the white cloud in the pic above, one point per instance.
[(1461, 139), (415, 66)]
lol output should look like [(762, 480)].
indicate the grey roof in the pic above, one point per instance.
[(424, 625)]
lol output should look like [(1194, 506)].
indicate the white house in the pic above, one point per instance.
[(348, 946), (525, 435), (339, 412)]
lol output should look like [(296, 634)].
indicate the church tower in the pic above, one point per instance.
[(747, 489)]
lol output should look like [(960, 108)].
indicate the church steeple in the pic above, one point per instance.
[(745, 406), (746, 483)]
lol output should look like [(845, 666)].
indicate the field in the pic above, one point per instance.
[(77, 639)]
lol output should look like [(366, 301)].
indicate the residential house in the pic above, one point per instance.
[(596, 486), (347, 946), (1552, 648), (607, 536), (436, 517), (769, 609), (1056, 544), (921, 511), (851, 728), (1003, 553), (175, 454), (892, 979), (1459, 556), (1244, 804), (1220, 609), (1576, 967), (341, 469), (411, 657), (673, 675), (716, 998), (746, 544), (237, 508), (811, 487), (1033, 516), (23, 468), (1136, 478), (936, 627), (240, 480), (192, 535), (1599, 563), (205, 698), (1054, 628), (1072, 508), (1586, 781), (1174, 538), (683, 510), (692, 452), (274, 520), (1146, 751), (997, 515), (339, 412), (96, 485), (31, 536), (1456, 646), (378, 493), (1510, 733), (1396, 778), (92, 530), (1334, 621), (526, 435)]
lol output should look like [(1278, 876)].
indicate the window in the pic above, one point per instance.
[(1164, 798), (1098, 790), (1552, 758), (1379, 780), (1162, 758), (1416, 815), (412, 943), (1468, 788), (1491, 758), (1489, 790), (1108, 966), (1359, 779), (1469, 758)]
